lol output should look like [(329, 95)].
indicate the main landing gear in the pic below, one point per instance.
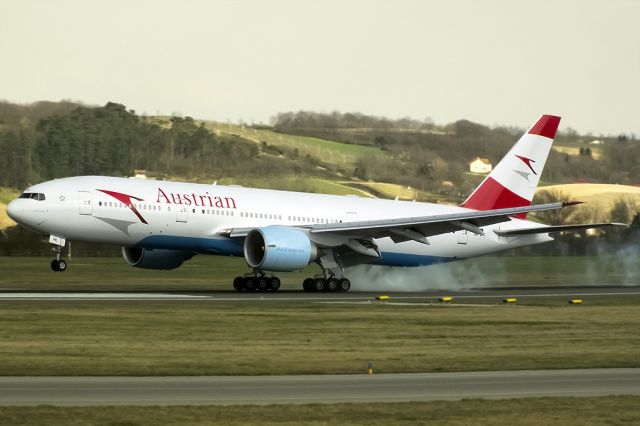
[(256, 282), (326, 284), (259, 282), (58, 264)]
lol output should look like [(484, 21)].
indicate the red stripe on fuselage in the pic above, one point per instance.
[(546, 126), (491, 195)]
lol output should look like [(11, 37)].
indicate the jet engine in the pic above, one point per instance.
[(154, 259), (278, 248)]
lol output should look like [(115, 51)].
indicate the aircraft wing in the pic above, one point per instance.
[(417, 228), (556, 228)]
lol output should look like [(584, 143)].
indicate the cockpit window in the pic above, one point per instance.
[(33, 195)]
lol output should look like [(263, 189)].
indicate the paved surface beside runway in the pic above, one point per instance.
[(316, 389), (293, 295)]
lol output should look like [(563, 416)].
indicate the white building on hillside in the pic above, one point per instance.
[(480, 165)]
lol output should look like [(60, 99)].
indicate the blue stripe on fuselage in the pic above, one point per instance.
[(230, 247), (221, 246), (404, 259)]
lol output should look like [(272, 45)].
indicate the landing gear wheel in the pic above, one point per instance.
[(238, 284), (308, 285), (262, 284), (58, 265), (332, 284), (250, 284), (344, 284), (319, 284), (274, 284)]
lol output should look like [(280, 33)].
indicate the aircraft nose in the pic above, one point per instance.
[(14, 211)]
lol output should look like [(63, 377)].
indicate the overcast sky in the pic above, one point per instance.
[(493, 62)]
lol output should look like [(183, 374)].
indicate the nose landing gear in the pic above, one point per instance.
[(58, 264)]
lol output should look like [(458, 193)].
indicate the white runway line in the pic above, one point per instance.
[(100, 296)]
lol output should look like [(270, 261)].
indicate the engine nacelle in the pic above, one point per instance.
[(278, 248), (154, 259)]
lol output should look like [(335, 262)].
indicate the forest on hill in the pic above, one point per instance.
[(435, 153), (111, 140), (48, 140)]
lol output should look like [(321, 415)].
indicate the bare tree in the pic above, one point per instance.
[(552, 217)]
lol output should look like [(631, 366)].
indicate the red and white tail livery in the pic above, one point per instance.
[(513, 182)]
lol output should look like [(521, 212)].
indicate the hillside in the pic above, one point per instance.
[(599, 200), (6, 195)]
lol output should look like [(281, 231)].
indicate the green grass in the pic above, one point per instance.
[(112, 273), (298, 184), (215, 272), (610, 410), (327, 151), (302, 337)]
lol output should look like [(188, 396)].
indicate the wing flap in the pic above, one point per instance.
[(555, 228)]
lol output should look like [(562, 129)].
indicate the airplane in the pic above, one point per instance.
[(162, 224)]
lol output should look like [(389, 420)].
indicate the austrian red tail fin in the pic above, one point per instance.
[(513, 182)]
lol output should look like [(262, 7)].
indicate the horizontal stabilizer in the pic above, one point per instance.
[(556, 228)]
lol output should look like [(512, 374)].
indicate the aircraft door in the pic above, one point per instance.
[(84, 199), (182, 214)]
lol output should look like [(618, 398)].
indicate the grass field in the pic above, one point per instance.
[(6, 195), (613, 410), (574, 149), (214, 272), (298, 184), (597, 197), (304, 337), (326, 151), (5, 220)]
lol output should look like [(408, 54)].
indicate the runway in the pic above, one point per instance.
[(220, 390), (468, 295)]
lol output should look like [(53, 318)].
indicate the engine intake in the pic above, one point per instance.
[(278, 248), (154, 259)]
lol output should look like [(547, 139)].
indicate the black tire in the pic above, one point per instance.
[(54, 265), (307, 285), (274, 284), (238, 284), (262, 284), (319, 284), (332, 284), (344, 284), (62, 265), (250, 284)]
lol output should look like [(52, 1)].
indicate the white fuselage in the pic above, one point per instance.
[(193, 217)]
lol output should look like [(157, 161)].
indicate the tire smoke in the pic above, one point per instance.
[(450, 276)]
